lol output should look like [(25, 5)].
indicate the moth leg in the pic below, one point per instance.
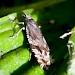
[(21, 23), (12, 19), (23, 28)]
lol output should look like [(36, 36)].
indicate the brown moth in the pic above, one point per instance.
[(37, 42)]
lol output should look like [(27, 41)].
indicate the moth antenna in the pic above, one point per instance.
[(24, 15), (27, 17)]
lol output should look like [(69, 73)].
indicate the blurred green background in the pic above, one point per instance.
[(55, 17)]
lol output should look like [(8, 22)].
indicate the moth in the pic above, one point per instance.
[(37, 42)]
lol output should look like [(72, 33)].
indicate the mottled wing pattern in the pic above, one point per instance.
[(37, 42)]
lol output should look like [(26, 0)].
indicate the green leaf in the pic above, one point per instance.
[(7, 29), (13, 60)]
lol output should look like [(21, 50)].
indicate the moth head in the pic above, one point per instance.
[(27, 17)]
